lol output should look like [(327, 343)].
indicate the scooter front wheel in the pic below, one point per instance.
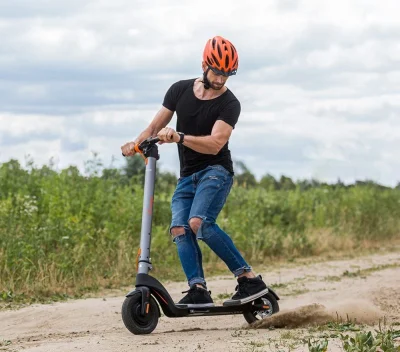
[(262, 308), (133, 319)]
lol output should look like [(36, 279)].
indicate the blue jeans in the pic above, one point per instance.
[(202, 195)]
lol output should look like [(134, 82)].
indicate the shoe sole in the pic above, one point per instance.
[(238, 302)]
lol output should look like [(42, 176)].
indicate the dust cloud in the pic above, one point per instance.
[(361, 312)]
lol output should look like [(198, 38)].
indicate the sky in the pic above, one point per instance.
[(318, 81)]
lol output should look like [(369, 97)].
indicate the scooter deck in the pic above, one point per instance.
[(239, 302), (226, 303), (199, 306), (200, 310)]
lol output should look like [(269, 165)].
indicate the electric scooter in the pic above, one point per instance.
[(141, 308)]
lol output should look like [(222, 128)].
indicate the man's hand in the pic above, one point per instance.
[(168, 135), (128, 149)]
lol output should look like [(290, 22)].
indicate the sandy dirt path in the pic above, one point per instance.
[(365, 288)]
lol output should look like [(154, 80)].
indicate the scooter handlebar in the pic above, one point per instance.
[(147, 142)]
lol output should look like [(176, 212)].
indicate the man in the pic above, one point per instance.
[(207, 112)]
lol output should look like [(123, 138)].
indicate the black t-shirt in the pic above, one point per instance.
[(196, 117)]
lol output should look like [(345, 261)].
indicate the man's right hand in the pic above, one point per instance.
[(128, 149)]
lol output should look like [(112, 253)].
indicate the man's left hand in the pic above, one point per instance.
[(168, 135)]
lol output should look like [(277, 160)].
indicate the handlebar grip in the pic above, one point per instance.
[(153, 140), (139, 147)]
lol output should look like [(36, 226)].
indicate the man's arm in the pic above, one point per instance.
[(162, 118), (211, 144)]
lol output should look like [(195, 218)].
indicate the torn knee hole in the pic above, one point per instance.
[(195, 224), (177, 231), (177, 235)]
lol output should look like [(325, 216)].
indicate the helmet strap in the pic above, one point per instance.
[(206, 82)]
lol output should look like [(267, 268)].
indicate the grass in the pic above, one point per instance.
[(368, 341), (9, 300), (240, 333), (362, 273), (223, 296), (63, 233), (280, 285), (332, 278), (342, 327), (317, 345), (257, 343), (355, 337), (5, 343), (288, 335), (333, 329), (297, 291)]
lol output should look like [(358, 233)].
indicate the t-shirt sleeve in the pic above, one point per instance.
[(230, 113), (172, 96)]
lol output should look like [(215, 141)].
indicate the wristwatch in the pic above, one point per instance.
[(181, 137)]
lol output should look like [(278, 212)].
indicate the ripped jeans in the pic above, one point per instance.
[(202, 195)]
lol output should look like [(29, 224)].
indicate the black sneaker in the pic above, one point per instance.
[(197, 296), (247, 290)]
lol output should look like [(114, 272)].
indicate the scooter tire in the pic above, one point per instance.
[(252, 315), (134, 321)]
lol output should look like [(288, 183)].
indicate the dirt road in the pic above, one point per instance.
[(365, 288)]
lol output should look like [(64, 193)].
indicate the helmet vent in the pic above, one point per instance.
[(219, 51), (235, 63), (215, 59)]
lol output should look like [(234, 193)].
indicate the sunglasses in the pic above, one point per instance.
[(222, 73)]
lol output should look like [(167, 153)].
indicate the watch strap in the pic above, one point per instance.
[(181, 137)]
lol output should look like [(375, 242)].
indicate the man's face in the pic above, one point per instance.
[(217, 81)]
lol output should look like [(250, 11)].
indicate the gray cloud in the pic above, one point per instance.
[(73, 146), (375, 115), (43, 8), (287, 5), (78, 92), (318, 82), (7, 140)]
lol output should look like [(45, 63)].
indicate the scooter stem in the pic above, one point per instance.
[(144, 264)]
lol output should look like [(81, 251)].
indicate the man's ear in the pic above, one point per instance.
[(204, 66)]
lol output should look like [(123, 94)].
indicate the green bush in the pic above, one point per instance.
[(64, 231)]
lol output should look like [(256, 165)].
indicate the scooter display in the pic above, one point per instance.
[(141, 307)]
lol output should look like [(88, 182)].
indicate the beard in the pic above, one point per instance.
[(216, 86)]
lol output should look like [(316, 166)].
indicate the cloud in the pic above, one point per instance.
[(18, 9), (318, 81)]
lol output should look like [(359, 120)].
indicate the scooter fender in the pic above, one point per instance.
[(145, 294), (273, 293)]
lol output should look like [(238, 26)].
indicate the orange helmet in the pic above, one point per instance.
[(221, 56)]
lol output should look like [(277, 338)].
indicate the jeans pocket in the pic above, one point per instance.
[(220, 168)]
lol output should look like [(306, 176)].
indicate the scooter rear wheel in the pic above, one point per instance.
[(255, 313), (133, 319)]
